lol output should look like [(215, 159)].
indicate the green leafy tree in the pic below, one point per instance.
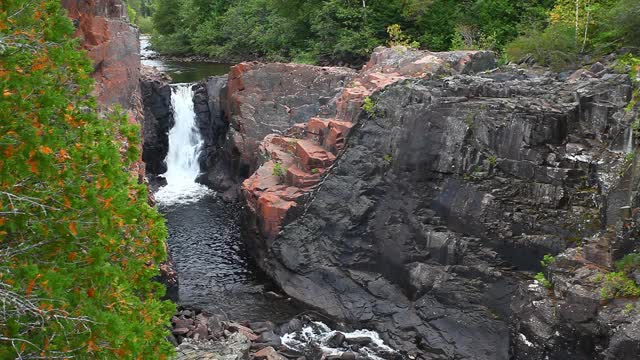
[(79, 244)]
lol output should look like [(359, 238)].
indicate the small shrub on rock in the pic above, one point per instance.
[(618, 284), (279, 170)]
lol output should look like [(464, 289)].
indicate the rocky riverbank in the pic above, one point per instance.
[(200, 336)]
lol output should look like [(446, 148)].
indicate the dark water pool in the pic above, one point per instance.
[(215, 271)]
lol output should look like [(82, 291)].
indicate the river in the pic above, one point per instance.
[(180, 71)]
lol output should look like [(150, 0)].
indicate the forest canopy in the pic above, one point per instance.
[(333, 31)]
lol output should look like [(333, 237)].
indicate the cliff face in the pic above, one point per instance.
[(421, 208), (112, 44), (417, 196), (158, 119)]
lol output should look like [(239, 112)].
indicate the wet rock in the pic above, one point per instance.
[(269, 338), (292, 326), (336, 340), (361, 340), (348, 355)]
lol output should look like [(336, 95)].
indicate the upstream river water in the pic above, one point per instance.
[(180, 71)]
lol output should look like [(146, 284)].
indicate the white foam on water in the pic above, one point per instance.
[(320, 334), (185, 146)]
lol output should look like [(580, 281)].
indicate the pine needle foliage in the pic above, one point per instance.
[(79, 244)]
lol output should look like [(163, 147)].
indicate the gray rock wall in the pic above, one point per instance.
[(450, 184), (158, 119)]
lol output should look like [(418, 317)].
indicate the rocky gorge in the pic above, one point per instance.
[(415, 197)]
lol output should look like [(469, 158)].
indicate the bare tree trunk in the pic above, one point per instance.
[(577, 19), (364, 11), (586, 27)]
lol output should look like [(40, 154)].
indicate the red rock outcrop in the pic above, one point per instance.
[(296, 162), (270, 98), (113, 46)]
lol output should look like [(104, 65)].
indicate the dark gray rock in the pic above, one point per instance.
[(450, 185), (158, 119), (336, 340), (348, 355), (596, 67), (292, 326), (362, 340), (270, 339)]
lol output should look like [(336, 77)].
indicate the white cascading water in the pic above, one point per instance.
[(628, 146), (320, 334), (185, 146)]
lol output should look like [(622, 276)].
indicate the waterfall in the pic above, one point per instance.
[(628, 146), (185, 146)]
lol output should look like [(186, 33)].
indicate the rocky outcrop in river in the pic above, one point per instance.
[(421, 208)]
